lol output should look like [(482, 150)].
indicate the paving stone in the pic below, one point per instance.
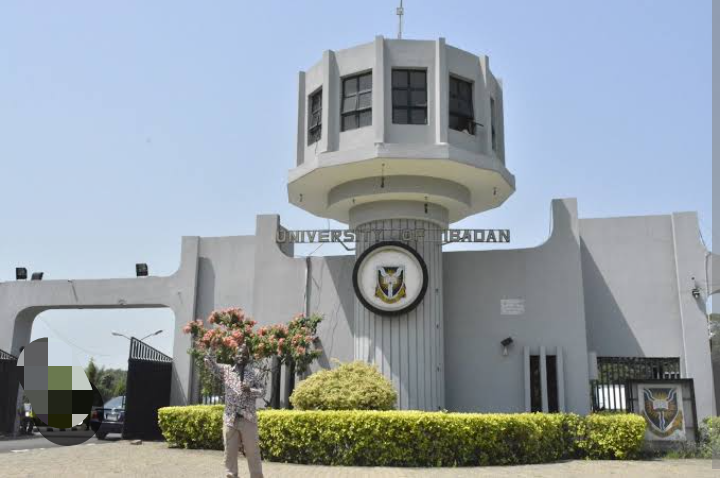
[(155, 459)]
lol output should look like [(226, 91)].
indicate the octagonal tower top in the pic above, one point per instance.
[(400, 129)]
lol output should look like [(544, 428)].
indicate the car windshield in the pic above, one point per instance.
[(117, 402)]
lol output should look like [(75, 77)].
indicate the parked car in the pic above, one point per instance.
[(109, 418)]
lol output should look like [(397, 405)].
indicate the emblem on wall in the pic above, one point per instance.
[(390, 284), (662, 408), (390, 278)]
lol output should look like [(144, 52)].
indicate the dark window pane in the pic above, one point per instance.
[(349, 104), (551, 366), (462, 115), (350, 86), (455, 105), (453, 87), (418, 98), (349, 122), (464, 90), (400, 115), (400, 78), (400, 97), (365, 119), (365, 82), (535, 390), (418, 116), (316, 101), (417, 79), (315, 117), (314, 135), (364, 100)]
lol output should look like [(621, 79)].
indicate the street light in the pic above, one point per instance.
[(151, 335), (118, 334)]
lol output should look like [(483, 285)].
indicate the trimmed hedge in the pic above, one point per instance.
[(351, 386), (413, 438)]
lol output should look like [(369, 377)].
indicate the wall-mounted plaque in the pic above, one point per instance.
[(390, 278)]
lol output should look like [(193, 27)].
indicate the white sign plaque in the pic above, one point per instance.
[(512, 306)]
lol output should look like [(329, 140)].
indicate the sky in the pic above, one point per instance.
[(126, 125)]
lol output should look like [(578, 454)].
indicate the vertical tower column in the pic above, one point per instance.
[(407, 348)]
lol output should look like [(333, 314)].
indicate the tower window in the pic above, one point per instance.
[(409, 96), (493, 133), (315, 117), (462, 114), (357, 102)]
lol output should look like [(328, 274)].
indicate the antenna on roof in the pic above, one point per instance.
[(400, 12)]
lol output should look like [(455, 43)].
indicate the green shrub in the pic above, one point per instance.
[(196, 426), (351, 386), (610, 437), (413, 438)]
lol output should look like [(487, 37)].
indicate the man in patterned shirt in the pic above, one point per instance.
[(243, 387)]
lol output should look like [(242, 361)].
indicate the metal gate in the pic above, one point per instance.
[(148, 389), (8, 391), (610, 390)]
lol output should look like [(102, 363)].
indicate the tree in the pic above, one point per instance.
[(292, 344), (92, 372)]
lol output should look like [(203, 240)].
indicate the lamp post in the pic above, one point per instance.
[(118, 334)]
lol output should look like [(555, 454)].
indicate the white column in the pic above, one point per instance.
[(526, 361), (543, 379), (408, 349), (560, 379)]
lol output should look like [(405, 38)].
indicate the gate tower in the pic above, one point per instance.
[(404, 137)]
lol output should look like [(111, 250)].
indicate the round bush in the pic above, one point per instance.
[(351, 386)]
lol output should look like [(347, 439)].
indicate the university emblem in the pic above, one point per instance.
[(390, 278), (390, 284), (662, 411)]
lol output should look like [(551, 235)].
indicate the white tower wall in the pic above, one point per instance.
[(408, 349)]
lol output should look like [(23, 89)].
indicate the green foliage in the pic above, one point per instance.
[(196, 426), (351, 386), (610, 436), (413, 438), (110, 382), (710, 434)]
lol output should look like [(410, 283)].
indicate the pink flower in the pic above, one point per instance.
[(212, 319), (187, 329)]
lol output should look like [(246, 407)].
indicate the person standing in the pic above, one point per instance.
[(243, 387)]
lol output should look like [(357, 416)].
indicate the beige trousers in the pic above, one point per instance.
[(244, 432)]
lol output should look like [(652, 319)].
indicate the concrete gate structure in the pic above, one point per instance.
[(611, 287)]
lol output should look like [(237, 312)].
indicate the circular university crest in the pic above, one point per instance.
[(390, 278)]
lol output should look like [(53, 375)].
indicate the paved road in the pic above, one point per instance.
[(121, 459), (22, 445)]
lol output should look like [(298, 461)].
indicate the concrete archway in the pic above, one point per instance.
[(22, 301)]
